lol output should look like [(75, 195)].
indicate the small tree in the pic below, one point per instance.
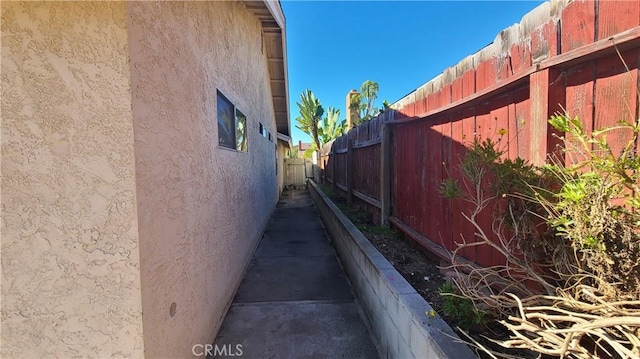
[(293, 153), (365, 101), (385, 106)]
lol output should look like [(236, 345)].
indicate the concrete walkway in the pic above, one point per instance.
[(295, 300)]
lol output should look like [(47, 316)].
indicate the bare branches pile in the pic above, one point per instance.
[(569, 233)]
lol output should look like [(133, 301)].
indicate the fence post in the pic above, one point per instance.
[(349, 171), (539, 95), (385, 186)]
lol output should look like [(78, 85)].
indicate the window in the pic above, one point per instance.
[(232, 125), (262, 130), (226, 122)]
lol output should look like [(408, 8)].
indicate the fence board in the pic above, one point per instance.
[(615, 16), (446, 155), (521, 123), (425, 215), (445, 231), (578, 25), (615, 96), (468, 136), (485, 129), (579, 99)]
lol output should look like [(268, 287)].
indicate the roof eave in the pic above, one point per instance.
[(284, 138), (273, 22)]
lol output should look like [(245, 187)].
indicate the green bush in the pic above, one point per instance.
[(461, 310)]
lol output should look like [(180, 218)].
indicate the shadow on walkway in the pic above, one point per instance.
[(295, 300)]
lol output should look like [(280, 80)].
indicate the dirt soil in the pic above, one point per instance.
[(419, 268), (408, 258)]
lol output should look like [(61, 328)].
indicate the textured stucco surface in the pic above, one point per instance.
[(70, 261), (201, 208)]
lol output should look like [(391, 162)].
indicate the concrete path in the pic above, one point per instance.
[(295, 300)]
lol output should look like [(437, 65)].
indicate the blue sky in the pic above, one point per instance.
[(334, 46)]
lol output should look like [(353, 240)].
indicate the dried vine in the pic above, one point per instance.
[(570, 238)]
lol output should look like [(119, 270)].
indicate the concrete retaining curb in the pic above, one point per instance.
[(396, 311)]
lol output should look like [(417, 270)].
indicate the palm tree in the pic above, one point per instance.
[(328, 130), (310, 117), (332, 128)]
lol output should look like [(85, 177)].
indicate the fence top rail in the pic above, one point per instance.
[(372, 142), (619, 42)]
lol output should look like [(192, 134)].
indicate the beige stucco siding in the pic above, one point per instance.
[(70, 262), (201, 208)]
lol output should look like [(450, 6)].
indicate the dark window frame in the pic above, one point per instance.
[(228, 124)]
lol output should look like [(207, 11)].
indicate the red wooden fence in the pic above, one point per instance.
[(556, 58)]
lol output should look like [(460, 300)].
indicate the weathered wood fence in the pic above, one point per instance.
[(297, 171), (582, 56)]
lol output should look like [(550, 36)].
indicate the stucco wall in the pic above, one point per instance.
[(70, 263), (201, 208)]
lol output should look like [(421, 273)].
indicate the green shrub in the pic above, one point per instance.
[(461, 310)]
